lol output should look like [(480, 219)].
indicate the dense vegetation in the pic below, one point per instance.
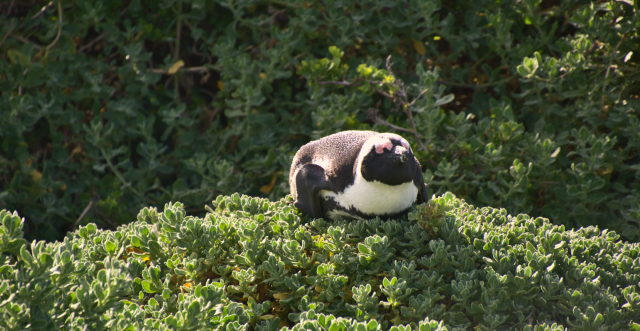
[(255, 264), (112, 105)]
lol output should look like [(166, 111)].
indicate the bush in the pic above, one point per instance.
[(112, 105), (256, 264)]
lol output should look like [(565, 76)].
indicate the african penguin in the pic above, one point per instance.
[(356, 174)]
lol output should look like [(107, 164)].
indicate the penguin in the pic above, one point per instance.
[(356, 174)]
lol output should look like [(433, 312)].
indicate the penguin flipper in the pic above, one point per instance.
[(423, 191), (310, 180)]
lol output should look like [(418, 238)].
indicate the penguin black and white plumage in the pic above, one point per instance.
[(356, 174)]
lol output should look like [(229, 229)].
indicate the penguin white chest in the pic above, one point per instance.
[(375, 197)]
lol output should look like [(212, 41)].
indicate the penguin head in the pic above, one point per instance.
[(387, 158)]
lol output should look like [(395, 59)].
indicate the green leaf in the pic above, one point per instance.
[(26, 256), (147, 286), (16, 57), (444, 100)]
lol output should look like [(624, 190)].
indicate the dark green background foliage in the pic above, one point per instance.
[(534, 107), (252, 264)]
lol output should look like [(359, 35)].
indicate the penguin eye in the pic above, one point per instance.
[(383, 147)]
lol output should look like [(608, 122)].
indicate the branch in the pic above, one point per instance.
[(122, 180), (8, 31), (91, 43), (407, 111), (372, 115), (44, 9), (343, 83), (176, 55), (471, 86), (399, 98), (190, 69), (59, 26), (9, 14), (330, 82), (27, 41), (84, 213), (613, 54)]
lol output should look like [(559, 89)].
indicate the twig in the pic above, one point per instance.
[(44, 9), (330, 82), (9, 12), (407, 106), (85, 47), (27, 41), (484, 57), (193, 49), (8, 31), (399, 98), (593, 48), (213, 114), (119, 176), (176, 55), (283, 3), (372, 115), (385, 94), (416, 98), (414, 130), (388, 64), (190, 69), (471, 86), (59, 26), (343, 83), (209, 93), (84, 213), (613, 54)]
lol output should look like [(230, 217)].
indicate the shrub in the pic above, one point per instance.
[(112, 105), (255, 264)]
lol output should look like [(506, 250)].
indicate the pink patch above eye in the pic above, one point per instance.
[(380, 147), (406, 145)]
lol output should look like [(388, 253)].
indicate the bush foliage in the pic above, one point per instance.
[(108, 106), (255, 264)]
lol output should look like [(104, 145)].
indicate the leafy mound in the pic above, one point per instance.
[(255, 264)]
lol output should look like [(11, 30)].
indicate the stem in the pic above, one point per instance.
[(119, 176), (9, 11), (374, 117), (8, 31), (190, 69), (282, 3), (27, 41), (476, 86), (91, 43), (413, 129), (473, 67), (176, 55), (613, 54), (84, 213), (42, 11), (59, 26), (330, 82)]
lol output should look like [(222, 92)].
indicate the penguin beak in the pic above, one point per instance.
[(398, 158)]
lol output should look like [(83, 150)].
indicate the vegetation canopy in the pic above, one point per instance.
[(112, 105), (256, 264)]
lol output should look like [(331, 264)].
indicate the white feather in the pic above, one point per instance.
[(373, 197)]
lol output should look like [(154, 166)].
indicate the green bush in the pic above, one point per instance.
[(255, 264), (108, 106)]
